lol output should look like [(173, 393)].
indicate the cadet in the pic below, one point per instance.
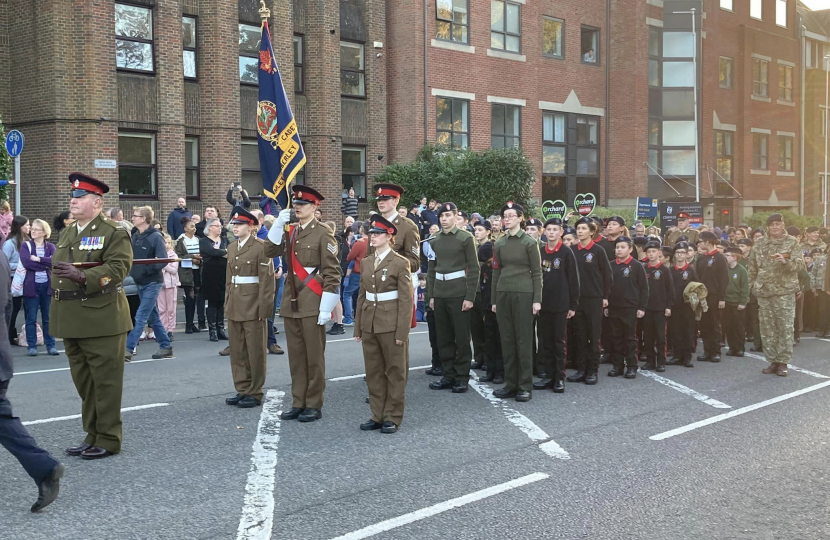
[(492, 337), (452, 280), (517, 297), (407, 240), (91, 314), (821, 316), (249, 288), (660, 303), (481, 232), (533, 228), (614, 228), (560, 299), (682, 324), (384, 329), (683, 229), (309, 296), (626, 303), (712, 271), (774, 263), (737, 297)]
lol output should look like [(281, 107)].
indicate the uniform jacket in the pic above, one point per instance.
[(691, 234), (517, 266), (819, 270), (630, 285), (6, 367), (595, 278), (454, 251), (392, 274), (660, 287), (712, 271), (103, 315), (407, 242), (315, 247), (249, 301), (769, 278), (560, 279), (737, 292), (681, 278)]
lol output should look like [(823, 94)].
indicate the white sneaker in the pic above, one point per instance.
[(143, 336)]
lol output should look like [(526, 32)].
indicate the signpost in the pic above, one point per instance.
[(669, 211), (646, 210), (14, 146)]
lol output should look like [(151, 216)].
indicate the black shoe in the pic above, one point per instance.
[(310, 415), (559, 387), (543, 384), (202, 325), (76, 450), (292, 414), (660, 369), (188, 330), (523, 396), (676, 361), (459, 388), (247, 402), (650, 366), (487, 377), (504, 393), (739, 354), (499, 379), (541, 374), (715, 359), (476, 365), (389, 427), (220, 333), (730, 353), (630, 373), (336, 330), (579, 376), (234, 400), (370, 425), (756, 349), (434, 371), (591, 378), (688, 363), (47, 489), (703, 358), (212, 335), (615, 372), (442, 384), (195, 329), (605, 359)]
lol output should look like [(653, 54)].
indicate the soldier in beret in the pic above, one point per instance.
[(712, 271)]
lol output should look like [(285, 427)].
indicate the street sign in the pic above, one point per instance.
[(105, 164), (669, 211), (14, 143), (646, 207), (554, 209)]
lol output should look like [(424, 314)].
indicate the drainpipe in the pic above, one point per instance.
[(607, 98), (801, 126), (426, 50)]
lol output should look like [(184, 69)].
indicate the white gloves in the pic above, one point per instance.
[(278, 228), (327, 303), (283, 217), (324, 318)]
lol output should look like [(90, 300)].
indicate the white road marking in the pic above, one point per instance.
[(441, 507), (67, 369), (534, 432), (685, 390), (257, 519), (737, 412), (75, 416), (352, 339), (792, 367), (359, 375)]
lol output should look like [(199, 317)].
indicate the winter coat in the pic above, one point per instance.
[(32, 267), (170, 272), (174, 221)]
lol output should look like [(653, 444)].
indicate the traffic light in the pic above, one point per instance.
[(725, 212)]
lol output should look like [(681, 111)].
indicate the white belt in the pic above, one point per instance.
[(382, 297), (244, 279), (450, 276)]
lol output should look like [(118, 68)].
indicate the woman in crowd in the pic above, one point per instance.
[(18, 233), (6, 218), (214, 251), (190, 275), (36, 258), (167, 296), (62, 221)]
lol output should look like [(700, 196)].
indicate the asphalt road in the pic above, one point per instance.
[(703, 453)]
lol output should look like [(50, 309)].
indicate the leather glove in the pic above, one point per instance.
[(68, 271)]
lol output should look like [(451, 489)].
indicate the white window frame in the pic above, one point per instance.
[(781, 13), (726, 5), (756, 9)]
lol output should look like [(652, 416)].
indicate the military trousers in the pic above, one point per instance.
[(654, 336), (682, 327), (734, 327), (433, 339), (823, 317), (588, 324), (798, 326), (710, 329), (752, 320), (514, 311), (97, 368), (552, 328), (306, 342), (37, 462), (810, 311), (776, 315), (477, 331), (623, 349), (492, 340), (452, 327), (248, 356), (387, 370)]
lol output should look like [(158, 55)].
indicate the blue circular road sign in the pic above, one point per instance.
[(14, 143)]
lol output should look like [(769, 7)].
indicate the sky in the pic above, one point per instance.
[(817, 4)]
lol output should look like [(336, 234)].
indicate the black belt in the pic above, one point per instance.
[(81, 295)]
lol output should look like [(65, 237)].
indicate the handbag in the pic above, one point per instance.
[(19, 277)]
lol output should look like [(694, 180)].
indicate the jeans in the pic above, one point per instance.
[(350, 297), (37, 462), (43, 301), (148, 311)]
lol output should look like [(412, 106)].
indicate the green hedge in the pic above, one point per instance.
[(790, 218)]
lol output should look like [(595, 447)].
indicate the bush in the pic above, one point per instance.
[(5, 166), (475, 181), (790, 218)]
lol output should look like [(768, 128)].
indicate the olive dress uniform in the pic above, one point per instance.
[(249, 301), (93, 321), (692, 236)]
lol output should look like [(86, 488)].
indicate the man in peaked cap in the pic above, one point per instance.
[(683, 229)]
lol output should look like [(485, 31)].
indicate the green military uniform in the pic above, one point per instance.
[(249, 302), (452, 278), (807, 247), (517, 285), (775, 285), (477, 331), (692, 234), (93, 322)]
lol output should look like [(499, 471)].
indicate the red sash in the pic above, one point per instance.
[(299, 270)]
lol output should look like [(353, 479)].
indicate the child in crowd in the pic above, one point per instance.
[(712, 271), (660, 302), (167, 296), (626, 303), (737, 298), (640, 245), (682, 320), (421, 306), (569, 237)]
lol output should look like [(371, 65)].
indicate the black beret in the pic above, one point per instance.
[(533, 222), (624, 240), (815, 251), (584, 221), (485, 252), (513, 206), (653, 245), (464, 214), (486, 224), (618, 219), (447, 207), (734, 250), (744, 242), (667, 251), (708, 236), (682, 238), (568, 230), (553, 221), (681, 246), (775, 217), (812, 229), (792, 230), (724, 243), (599, 221), (640, 240)]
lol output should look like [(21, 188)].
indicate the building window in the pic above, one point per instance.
[(452, 22), (354, 170), (759, 151), (505, 26), (553, 31), (453, 122), (726, 4), (133, 38), (760, 77), (725, 72), (785, 83), (191, 167), (587, 146), (249, 37), (189, 47), (505, 121), (251, 175), (298, 65), (785, 153), (351, 69), (723, 162), (590, 45), (655, 57), (553, 144), (781, 13), (756, 10), (137, 164)]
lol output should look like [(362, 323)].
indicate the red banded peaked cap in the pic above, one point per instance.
[(306, 195), (242, 216), (84, 183), (388, 191), (380, 224)]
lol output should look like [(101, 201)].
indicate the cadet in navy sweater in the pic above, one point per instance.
[(682, 320), (660, 303), (713, 272), (560, 298), (626, 303), (594, 287)]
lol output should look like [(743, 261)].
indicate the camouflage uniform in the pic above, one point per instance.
[(775, 285)]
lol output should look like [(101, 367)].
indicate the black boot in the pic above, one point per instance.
[(210, 313), (220, 323)]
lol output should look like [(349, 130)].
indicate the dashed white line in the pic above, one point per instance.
[(74, 416), (703, 398), (359, 375), (441, 507), (792, 367), (352, 339), (257, 519)]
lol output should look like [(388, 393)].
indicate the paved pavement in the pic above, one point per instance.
[(715, 452)]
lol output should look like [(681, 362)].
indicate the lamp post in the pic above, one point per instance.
[(824, 130)]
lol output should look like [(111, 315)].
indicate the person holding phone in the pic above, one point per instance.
[(237, 196)]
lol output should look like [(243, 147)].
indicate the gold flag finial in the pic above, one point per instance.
[(264, 12)]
